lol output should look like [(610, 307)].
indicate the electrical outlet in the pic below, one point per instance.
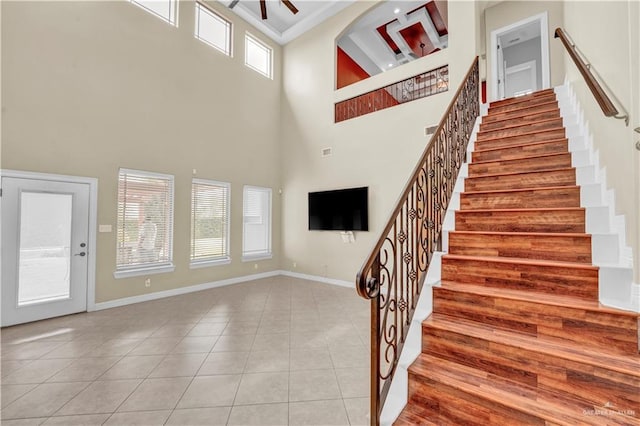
[(295, 264), (255, 266), (147, 282)]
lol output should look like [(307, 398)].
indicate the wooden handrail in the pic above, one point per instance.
[(361, 286), (393, 275), (598, 92)]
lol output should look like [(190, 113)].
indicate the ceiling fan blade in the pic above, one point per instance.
[(263, 9), (291, 7), (233, 4)]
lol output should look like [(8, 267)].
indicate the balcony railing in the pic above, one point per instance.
[(393, 274), (413, 88)]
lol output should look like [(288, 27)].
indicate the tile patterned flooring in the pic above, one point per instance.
[(276, 351)]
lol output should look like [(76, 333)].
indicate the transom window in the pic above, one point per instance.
[(163, 9), (209, 222), (258, 56), (145, 223), (213, 29)]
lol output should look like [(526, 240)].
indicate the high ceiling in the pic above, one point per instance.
[(396, 32), (282, 25)]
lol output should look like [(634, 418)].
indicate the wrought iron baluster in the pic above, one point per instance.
[(393, 275)]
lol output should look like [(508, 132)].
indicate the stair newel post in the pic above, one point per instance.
[(375, 344)]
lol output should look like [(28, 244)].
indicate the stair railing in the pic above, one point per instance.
[(589, 75), (393, 275)]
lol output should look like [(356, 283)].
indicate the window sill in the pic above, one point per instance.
[(252, 257), (150, 270), (208, 263)]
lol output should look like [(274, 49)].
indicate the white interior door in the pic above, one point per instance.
[(508, 37), (520, 79), (45, 237)]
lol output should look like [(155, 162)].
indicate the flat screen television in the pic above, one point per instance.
[(339, 210)]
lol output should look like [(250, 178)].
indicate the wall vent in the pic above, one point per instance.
[(326, 152), (428, 131)]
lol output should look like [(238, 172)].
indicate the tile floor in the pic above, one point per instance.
[(275, 351)]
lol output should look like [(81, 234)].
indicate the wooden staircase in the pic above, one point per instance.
[(517, 335)]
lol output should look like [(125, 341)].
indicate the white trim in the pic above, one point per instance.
[(259, 256), (93, 219), (310, 21), (211, 262), (544, 42), (182, 290), (325, 280), (215, 284), (149, 270)]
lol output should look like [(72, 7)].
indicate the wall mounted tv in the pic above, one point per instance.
[(339, 210)]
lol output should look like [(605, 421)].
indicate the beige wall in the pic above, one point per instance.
[(89, 87), (607, 34), (509, 12), (378, 150)]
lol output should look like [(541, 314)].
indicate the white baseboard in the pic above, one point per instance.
[(178, 291), (213, 284), (341, 283)]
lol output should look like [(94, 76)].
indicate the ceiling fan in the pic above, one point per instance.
[(263, 7)]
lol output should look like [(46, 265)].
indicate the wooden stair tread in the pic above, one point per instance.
[(625, 364), (542, 209), (525, 114), (519, 135), (534, 157), (495, 116), (552, 407), (525, 234), (524, 98), (495, 191), (544, 142), (518, 173), (522, 261), (518, 125), (543, 298), (505, 104)]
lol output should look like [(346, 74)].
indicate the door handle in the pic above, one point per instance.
[(80, 254)]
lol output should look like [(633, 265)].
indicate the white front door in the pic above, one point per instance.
[(45, 245)]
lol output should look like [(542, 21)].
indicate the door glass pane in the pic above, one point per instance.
[(45, 245)]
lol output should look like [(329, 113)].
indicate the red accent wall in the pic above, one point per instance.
[(348, 71), (484, 92)]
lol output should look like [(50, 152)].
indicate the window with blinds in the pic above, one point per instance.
[(213, 29), (256, 232), (145, 222), (209, 222)]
